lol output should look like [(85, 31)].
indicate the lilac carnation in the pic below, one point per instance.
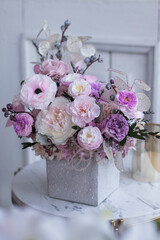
[(115, 126), (95, 88), (23, 124)]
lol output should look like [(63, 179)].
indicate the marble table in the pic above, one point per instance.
[(133, 202)]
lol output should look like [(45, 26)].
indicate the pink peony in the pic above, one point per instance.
[(83, 110), (55, 122), (90, 138), (54, 68), (79, 87), (23, 124), (38, 91)]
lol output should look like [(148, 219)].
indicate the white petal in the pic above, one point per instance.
[(144, 102), (118, 160), (53, 38), (46, 28), (120, 84), (84, 38), (74, 44), (108, 150), (142, 85), (88, 50), (44, 47)]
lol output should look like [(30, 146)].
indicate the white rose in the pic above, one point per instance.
[(55, 122), (70, 78), (79, 87)]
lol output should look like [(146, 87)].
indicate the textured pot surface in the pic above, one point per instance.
[(89, 186)]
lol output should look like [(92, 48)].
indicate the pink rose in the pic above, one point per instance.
[(54, 68), (23, 124), (90, 138), (38, 91), (83, 110)]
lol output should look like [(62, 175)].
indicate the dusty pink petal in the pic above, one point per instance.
[(36, 69), (17, 106), (54, 68), (90, 78), (9, 123), (79, 64)]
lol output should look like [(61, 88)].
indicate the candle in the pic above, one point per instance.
[(146, 159)]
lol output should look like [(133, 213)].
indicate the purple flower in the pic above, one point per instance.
[(115, 126), (95, 89), (127, 99), (23, 124)]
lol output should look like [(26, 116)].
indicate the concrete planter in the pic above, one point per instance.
[(89, 186)]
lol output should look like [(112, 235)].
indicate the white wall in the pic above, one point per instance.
[(126, 31)]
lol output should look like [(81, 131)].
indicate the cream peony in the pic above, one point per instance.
[(79, 87), (55, 122)]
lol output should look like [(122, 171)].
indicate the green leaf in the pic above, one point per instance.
[(76, 127), (22, 82), (27, 144), (122, 143), (66, 95), (153, 133)]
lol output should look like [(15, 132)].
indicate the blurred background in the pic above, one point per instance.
[(125, 32)]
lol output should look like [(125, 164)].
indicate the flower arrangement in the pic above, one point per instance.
[(63, 110)]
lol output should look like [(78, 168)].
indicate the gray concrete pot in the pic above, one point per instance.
[(89, 186)]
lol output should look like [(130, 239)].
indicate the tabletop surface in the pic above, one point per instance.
[(132, 201)]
